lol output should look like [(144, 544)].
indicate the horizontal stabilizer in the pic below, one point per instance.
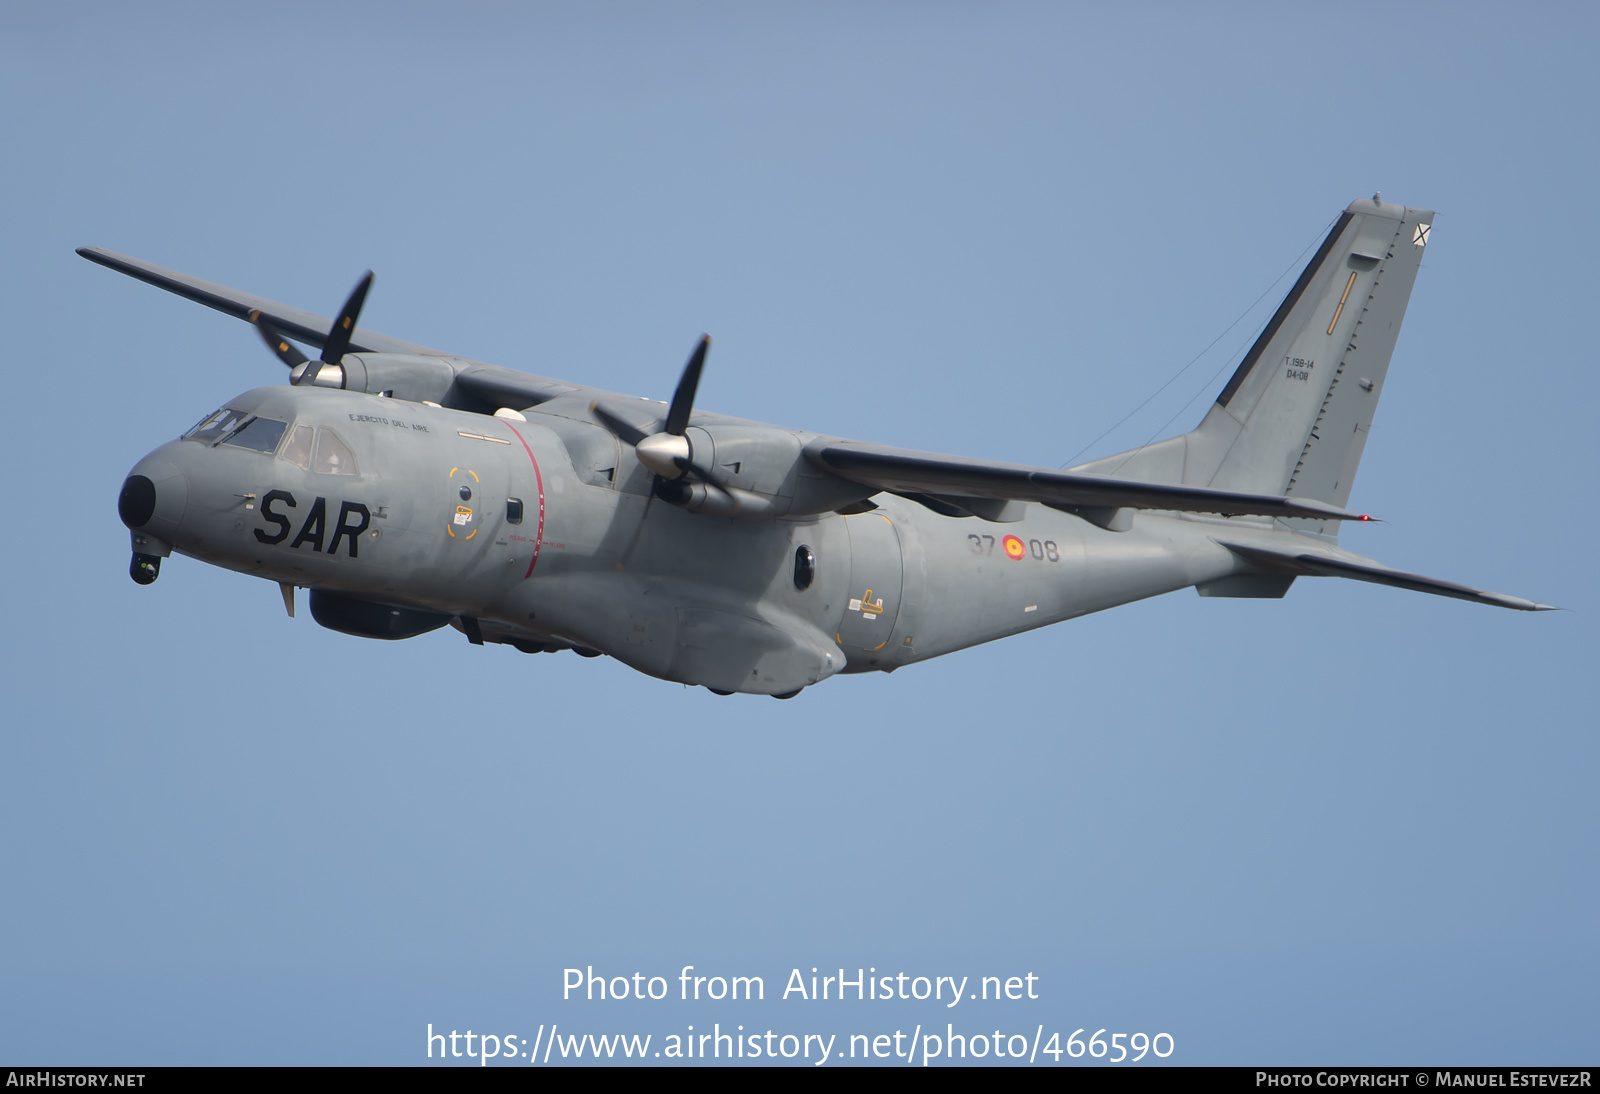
[(907, 472), (302, 326), (1294, 560)]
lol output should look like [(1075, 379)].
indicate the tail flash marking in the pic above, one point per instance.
[(1335, 320)]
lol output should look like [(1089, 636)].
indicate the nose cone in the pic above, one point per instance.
[(137, 502), (153, 498)]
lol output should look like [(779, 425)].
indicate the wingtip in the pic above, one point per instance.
[(1521, 604)]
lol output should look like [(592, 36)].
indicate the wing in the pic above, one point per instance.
[(1297, 560), (302, 326), (953, 478)]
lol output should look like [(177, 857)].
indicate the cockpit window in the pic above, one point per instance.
[(333, 458), (258, 435), (298, 450), (214, 427)]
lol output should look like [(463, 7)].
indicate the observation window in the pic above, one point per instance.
[(333, 456), (513, 510), (805, 567)]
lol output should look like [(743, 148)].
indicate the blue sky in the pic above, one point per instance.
[(1356, 825)]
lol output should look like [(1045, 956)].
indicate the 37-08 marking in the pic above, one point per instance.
[(1014, 548)]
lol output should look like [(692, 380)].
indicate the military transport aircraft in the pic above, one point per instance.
[(409, 489)]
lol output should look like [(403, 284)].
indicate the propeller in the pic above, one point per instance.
[(668, 452), (333, 350)]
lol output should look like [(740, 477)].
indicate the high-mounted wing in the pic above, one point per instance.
[(302, 326), (1292, 559), (496, 386), (956, 477)]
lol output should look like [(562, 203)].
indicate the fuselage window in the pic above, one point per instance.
[(298, 450), (333, 457), (513, 510), (805, 568), (258, 435), (214, 427)]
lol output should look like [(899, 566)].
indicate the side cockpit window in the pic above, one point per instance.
[(333, 457), (320, 450), (298, 450), (258, 435)]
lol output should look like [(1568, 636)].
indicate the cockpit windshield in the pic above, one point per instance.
[(258, 435), (214, 427), (240, 429)]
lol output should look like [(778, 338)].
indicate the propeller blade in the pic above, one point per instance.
[(276, 342), (683, 398), (623, 431), (713, 479), (338, 343), (671, 491)]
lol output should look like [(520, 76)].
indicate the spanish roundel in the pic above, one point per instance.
[(1014, 548)]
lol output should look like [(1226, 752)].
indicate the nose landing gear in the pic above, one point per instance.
[(144, 569)]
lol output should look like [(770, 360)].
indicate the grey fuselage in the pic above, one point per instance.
[(595, 563)]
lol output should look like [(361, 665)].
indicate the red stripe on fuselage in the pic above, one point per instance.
[(538, 540)]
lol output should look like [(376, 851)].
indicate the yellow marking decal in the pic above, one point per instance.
[(1342, 299)]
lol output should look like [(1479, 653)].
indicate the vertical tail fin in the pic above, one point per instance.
[(1294, 418)]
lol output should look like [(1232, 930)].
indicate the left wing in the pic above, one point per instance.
[(1095, 497), (302, 326)]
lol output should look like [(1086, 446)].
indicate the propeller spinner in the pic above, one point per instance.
[(669, 453), (304, 370)]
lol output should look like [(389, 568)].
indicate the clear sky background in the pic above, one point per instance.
[(1354, 826)]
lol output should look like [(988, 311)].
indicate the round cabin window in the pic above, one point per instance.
[(805, 568)]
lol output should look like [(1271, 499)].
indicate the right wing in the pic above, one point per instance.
[(955, 477)]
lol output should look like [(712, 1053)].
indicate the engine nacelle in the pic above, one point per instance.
[(414, 378), (766, 473)]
